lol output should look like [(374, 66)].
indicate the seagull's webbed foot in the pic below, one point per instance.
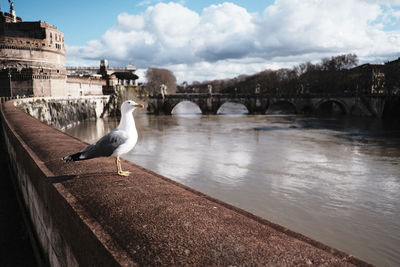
[(119, 168), (124, 173)]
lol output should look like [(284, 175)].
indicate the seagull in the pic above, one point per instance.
[(119, 141)]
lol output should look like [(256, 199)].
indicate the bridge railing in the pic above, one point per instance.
[(246, 95)]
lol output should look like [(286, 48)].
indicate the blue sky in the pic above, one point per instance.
[(204, 40), (81, 21)]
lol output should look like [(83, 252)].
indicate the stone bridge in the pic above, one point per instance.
[(261, 103)]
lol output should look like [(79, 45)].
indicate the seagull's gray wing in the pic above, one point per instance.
[(105, 146)]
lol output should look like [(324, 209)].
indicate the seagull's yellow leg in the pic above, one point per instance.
[(119, 168)]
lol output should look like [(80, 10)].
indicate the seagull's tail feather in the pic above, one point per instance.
[(73, 157)]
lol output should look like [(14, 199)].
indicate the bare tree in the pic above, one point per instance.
[(340, 62), (331, 75), (156, 77)]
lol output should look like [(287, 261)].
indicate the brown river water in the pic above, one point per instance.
[(336, 180)]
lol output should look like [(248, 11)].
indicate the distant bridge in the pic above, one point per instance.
[(261, 103)]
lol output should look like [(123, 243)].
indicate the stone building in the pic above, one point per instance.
[(84, 85), (99, 80), (32, 57), (392, 76), (367, 79)]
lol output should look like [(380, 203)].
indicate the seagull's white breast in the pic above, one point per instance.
[(128, 145)]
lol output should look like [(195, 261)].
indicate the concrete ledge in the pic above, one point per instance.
[(87, 215)]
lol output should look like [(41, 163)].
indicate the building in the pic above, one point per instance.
[(392, 77), (111, 78), (32, 57), (32, 63), (367, 79)]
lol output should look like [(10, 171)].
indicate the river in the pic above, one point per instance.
[(336, 180)]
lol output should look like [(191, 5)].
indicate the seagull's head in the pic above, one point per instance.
[(129, 106)]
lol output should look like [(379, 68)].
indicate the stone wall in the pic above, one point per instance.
[(32, 185), (58, 228), (84, 86), (64, 112)]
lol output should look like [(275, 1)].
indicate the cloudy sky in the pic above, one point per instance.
[(204, 40)]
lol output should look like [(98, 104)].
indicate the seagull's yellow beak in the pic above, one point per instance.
[(139, 106)]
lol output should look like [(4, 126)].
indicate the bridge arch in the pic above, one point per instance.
[(186, 107), (331, 106), (168, 106), (282, 107), (233, 107)]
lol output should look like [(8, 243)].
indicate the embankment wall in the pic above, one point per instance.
[(86, 215), (64, 112)]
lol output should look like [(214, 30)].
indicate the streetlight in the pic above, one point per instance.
[(9, 78)]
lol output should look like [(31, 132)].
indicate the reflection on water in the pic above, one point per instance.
[(186, 107), (232, 108), (335, 180)]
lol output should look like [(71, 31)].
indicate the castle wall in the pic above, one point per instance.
[(33, 44), (32, 56), (80, 86), (58, 87), (47, 87), (15, 56), (22, 87)]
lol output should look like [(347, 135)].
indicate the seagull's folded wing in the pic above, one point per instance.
[(105, 146)]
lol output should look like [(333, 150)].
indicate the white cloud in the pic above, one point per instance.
[(384, 2), (295, 27), (225, 31), (226, 40)]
